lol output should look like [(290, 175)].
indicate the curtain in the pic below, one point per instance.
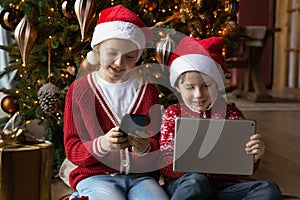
[(5, 82)]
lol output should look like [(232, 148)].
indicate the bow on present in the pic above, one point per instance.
[(13, 133)]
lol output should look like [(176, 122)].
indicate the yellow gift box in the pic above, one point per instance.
[(26, 171)]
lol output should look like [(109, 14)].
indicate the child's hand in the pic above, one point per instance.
[(140, 142), (255, 146), (114, 140)]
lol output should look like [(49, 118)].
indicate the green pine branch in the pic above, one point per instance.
[(63, 36)]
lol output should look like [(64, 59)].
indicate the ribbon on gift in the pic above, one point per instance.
[(14, 133), (18, 143)]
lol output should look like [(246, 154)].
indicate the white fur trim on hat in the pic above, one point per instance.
[(200, 63), (119, 30)]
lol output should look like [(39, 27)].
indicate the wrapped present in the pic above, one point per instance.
[(25, 164)]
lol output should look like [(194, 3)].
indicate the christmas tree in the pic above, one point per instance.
[(52, 37)]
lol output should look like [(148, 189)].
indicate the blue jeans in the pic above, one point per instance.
[(256, 190), (191, 186), (194, 186), (120, 187)]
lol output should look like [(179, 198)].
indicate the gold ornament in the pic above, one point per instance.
[(85, 12), (235, 9), (231, 7), (9, 104), (67, 9), (25, 35), (9, 18)]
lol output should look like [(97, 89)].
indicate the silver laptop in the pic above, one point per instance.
[(213, 146)]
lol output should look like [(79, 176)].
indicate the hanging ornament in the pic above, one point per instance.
[(9, 104), (67, 9), (164, 48), (231, 29), (85, 12), (25, 36), (48, 96), (231, 7), (235, 9), (9, 18)]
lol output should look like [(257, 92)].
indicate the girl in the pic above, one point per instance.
[(106, 163)]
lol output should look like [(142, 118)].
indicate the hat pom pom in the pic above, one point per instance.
[(91, 58)]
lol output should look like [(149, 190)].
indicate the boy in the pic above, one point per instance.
[(196, 72)]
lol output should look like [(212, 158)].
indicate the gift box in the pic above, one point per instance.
[(26, 171)]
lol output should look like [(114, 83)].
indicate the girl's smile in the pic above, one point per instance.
[(116, 70), (117, 58)]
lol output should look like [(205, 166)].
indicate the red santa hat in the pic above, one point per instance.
[(119, 22), (204, 56)]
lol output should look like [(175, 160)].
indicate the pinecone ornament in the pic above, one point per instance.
[(48, 98)]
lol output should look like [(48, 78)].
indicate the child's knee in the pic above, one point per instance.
[(197, 179), (273, 190)]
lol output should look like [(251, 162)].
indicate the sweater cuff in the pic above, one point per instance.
[(97, 149)]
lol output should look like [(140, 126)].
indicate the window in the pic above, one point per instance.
[(293, 79)]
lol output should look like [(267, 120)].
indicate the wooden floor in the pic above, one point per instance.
[(281, 161)]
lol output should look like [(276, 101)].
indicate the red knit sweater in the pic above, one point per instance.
[(220, 110), (88, 116)]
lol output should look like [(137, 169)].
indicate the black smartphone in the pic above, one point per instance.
[(132, 122)]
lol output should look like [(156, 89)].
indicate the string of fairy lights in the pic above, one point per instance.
[(198, 17)]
